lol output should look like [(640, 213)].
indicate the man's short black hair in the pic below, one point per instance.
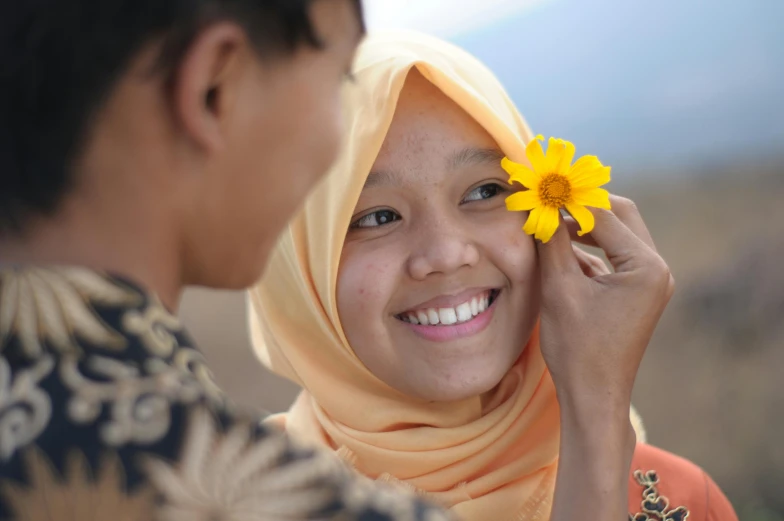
[(59, 60)]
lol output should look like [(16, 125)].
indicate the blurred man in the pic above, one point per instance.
[(146, 145)]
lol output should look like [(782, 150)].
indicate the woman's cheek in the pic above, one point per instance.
[(516, 250), (365, 284)]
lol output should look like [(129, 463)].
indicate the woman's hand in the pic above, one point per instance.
[(595, 327)]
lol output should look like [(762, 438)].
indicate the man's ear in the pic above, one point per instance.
[(207, 82)]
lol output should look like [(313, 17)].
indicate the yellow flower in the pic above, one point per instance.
[(556, 183)]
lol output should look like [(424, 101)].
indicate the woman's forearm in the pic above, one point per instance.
[(597, 445)]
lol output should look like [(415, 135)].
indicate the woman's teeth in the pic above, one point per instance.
[(449, 316)]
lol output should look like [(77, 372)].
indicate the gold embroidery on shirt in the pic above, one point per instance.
[(138, 398), (654, 506), (25, 408), (80, 492), (40, 305), (228, 474), (155, 327)]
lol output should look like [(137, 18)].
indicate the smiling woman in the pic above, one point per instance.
[(425, 244), (429, 333)]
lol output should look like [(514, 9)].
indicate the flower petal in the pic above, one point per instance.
[(596, 197), (522, 201), (593, 178), (586, 162), (588, 172), (564, 162), (520, 173), (535, 154), (548, 223), (532, 222), (555, 149), (583, 216)]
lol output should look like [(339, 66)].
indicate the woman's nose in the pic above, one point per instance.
[(442, 249)]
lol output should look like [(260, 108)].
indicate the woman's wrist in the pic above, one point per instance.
[(600, 419), (587, 404)]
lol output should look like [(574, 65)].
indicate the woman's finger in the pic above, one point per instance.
[(627, 213), (556, 256), (574, 227), (624, 249), (591, 265)]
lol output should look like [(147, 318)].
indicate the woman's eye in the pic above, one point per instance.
[(378, 218), (487, 191)]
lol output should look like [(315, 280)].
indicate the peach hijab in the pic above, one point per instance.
[(492, 457)]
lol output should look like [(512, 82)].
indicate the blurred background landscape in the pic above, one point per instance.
[(684, 100)]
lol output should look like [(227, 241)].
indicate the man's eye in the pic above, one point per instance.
[(378, 218), (487, 191)]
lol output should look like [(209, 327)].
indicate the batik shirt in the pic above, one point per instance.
[(108, 412)]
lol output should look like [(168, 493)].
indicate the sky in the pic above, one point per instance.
[(443, 18), (643, 84)]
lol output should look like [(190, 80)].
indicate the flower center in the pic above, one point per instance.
[(555, 190)]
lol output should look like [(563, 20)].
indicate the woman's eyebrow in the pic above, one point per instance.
[(474, 156), (380, 178)]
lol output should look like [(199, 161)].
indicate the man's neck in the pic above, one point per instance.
[(133, 246)]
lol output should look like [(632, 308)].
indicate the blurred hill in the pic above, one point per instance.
[(711, 387)]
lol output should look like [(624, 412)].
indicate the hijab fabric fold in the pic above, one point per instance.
[(487, 458)]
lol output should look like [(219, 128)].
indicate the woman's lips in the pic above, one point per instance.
[(443, 324)]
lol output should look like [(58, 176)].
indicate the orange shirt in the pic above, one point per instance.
[(665, 487)]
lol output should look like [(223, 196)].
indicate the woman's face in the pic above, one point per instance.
[(438, 286)]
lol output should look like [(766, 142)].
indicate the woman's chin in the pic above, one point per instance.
[(459, 385)]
